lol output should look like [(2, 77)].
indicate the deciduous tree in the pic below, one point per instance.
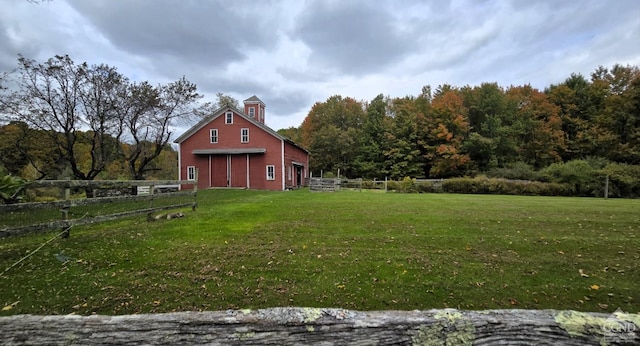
[(86, 111)]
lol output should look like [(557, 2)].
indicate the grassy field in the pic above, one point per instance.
[(357, 250)]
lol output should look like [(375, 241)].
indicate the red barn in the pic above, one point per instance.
[(235, 149)]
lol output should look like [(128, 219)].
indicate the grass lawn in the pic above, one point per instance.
[(356, 250)]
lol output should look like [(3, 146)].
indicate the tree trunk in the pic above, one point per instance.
[(286, 326)]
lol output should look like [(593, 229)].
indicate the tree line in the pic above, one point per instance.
[(472, 130), (61, 119)]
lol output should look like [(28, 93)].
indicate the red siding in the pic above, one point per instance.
[(293, 154)]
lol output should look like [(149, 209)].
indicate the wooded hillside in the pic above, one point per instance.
[(514, 131)]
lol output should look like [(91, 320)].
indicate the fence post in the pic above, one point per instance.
[(66, 194), (385, 184), (151, 188), (195, 192), (65, 208), (606, 187)]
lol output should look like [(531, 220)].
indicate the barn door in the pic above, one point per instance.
[(298, 176)]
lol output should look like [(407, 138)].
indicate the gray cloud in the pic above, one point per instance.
[(284, 103), (203, 32), (351, 37)]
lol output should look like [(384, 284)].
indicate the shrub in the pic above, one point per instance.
[(580, 174), (408, 185), (517, 170), (624, 180), (370, 184), (428, 187), (393, 185), (462, 185), (484, 185)]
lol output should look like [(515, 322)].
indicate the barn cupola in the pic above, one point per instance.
[(254, 108)]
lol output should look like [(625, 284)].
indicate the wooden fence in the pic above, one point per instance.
[(116, 190), (313, 326), (334, 184), (324, 184)]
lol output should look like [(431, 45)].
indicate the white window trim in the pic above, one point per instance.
[(191, 172), (252, 112), (242, 136), (273, 171), (211, 136), (228, 120)]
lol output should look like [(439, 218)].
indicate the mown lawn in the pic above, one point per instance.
[(356, 250)]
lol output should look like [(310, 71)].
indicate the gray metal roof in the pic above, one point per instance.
[(254, 99)]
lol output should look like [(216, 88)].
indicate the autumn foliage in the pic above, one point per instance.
[(472, 130)]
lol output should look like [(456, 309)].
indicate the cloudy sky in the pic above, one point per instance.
[(293, 53)]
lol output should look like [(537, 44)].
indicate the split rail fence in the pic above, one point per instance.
[(22, 218), (312, 326)]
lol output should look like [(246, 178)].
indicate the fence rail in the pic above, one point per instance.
[(324, 184), (306, 326), (334, 184), (143, 190)]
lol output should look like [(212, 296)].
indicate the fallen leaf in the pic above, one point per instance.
[(582, 273), (10, 306), (595, 287), (561, 252), (603, 306)]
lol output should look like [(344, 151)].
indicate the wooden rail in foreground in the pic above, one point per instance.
[(295, 326)]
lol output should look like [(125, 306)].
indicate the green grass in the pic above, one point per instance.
[(356, 250)]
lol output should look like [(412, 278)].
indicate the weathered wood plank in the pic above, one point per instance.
[(294, 326), (324, 184)]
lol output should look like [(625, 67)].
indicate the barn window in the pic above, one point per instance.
[(271, 172), (244, 135), (252, 112), (214, 135), (228, 118), (262, 114), (191, 172)]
